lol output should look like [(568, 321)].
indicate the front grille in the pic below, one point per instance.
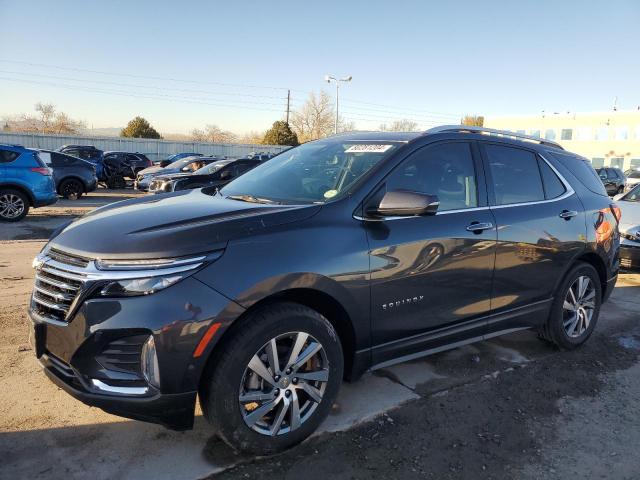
[(58, 284)]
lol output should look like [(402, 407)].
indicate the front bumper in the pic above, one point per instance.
[(629, 254), (98, 347)]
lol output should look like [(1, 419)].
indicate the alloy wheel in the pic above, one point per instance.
[(579, 306), (283, 383), (11, 205)]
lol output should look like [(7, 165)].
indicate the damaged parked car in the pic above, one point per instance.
[(216, 174), (317, 266), (183, 165)]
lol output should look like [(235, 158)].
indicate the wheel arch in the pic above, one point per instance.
[(596, 262), (317, 300), (21, 189)]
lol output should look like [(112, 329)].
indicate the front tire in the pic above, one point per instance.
[(575, 309), (14, 205), (274, 380)]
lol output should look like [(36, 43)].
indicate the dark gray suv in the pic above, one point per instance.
[(336, 257)]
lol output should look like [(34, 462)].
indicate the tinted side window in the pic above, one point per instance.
[(445, 170), (7, 156), (515, 175), (62, 160), (581, 168), (553, 186), (132, 158)]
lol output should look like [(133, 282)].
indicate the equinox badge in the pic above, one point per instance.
[(404, 301)]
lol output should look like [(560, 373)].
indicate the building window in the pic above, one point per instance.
[(597, 162), (550, 134), (622, 133), (566, 134), (522, 132), (584, 134), (602, 133), (616, 162), (535, 133), (635, 162)]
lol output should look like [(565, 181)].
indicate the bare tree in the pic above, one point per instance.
[(473, 120), (315, 119), (198, 135), (47, 112), (213, 134), (253, 137), (62, 123), (403, 125)]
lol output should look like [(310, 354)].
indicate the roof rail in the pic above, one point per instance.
[(492, 131)]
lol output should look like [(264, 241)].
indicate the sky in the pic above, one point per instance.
[(183, 65)]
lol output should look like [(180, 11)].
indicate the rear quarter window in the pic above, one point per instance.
[(8, 156), (581, 168)]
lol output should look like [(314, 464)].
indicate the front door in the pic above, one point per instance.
[(431, 271)]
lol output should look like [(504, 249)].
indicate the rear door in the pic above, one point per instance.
[(541, 228)]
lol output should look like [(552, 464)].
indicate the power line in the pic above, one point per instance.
[(228, 84), (139, 96), (128, 85), (123, 74)]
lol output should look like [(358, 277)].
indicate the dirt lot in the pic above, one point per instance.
[(508, 408)]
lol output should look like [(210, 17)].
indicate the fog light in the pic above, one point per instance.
[(149, 362)]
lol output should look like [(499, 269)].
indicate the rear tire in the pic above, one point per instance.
[(14, 205), (71, 189), (575, 309), (260, 416)]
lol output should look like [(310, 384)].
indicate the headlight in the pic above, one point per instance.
[(138, 286), (130, 278)]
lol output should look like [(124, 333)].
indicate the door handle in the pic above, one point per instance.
[(568, 214), (477, 227)]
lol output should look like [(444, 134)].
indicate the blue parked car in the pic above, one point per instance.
[(73, 176), (25, 182)]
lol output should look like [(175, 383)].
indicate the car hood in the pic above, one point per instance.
[(630, 215), (178, 224), (150, 170)]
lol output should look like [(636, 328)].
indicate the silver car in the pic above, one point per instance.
[(629, 204)]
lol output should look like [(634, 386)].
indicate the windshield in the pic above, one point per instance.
[(315, 172), (178, 164), (209, 169), (633, 195)]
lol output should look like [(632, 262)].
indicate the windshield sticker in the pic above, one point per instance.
[(368, 148), (330, 193)]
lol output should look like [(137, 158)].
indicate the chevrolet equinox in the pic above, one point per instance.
[(340, 256)]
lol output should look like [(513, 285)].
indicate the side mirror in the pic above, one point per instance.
[(404, 203)]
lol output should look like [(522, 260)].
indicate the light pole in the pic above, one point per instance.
[(329, 79)]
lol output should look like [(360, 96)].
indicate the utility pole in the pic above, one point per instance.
[(288, 104)]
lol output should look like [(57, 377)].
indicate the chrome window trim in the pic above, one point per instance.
[(569, 191)]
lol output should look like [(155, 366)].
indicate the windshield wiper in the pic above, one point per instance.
[(252, 199)]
